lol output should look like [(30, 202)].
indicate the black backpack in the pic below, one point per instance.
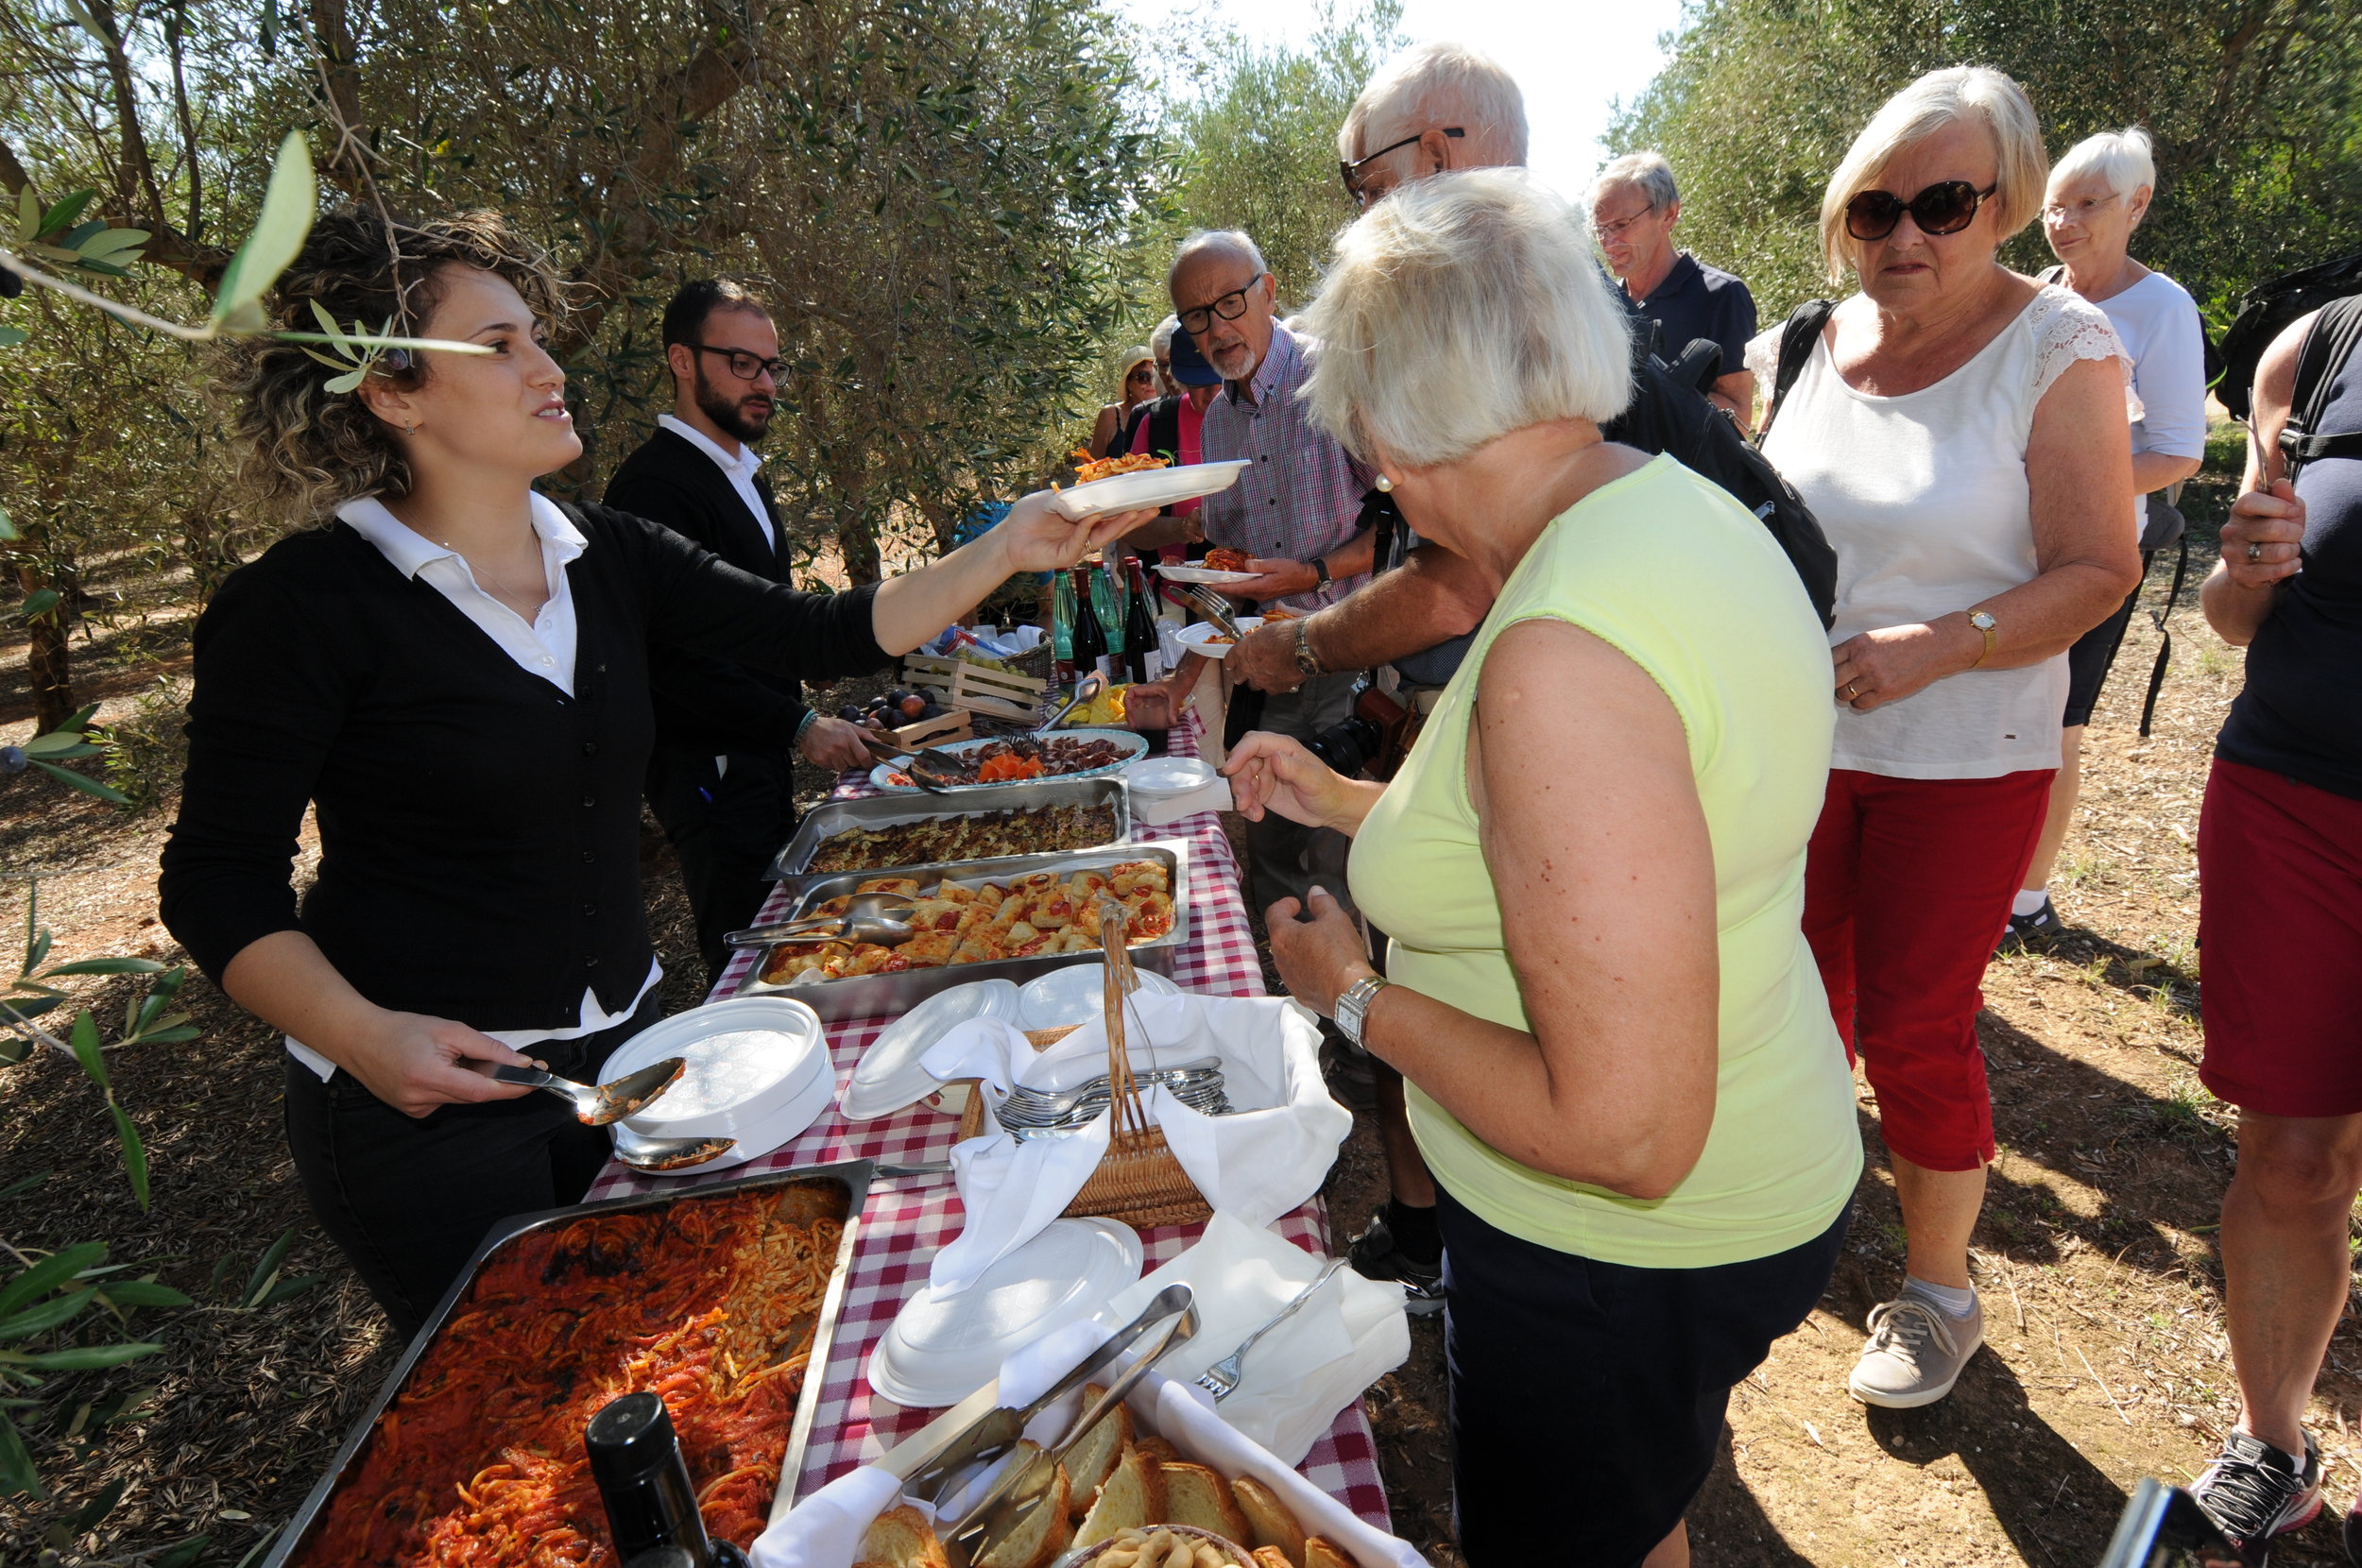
[(2329, 343), (2265, 312), (1670, 414), (1163, 419)]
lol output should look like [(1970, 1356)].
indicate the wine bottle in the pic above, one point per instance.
[(1108, 603), (636, 1460), (1062, 629), (1141, 650), (1090, 638)]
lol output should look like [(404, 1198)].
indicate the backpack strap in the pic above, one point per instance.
[(2050, 275), (2329, 343), (1796, 340)]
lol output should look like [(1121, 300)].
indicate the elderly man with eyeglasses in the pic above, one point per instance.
[(1634, 205), (722, 776)]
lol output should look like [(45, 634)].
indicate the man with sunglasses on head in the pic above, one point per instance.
[(1634, 205), (728, 811)]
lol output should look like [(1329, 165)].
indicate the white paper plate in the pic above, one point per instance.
[(748, 1057), (1130, 747), (1203, 575), (791, 1121), (1077, 995), (889, 1077), (1198, 636), (1129, 492), (938, 1352), (1169, 775)]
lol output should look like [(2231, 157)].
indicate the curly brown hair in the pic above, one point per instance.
[(307, 449)]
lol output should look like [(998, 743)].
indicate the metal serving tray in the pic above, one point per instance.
[(830, 1191), (830, 818), (891, 995)]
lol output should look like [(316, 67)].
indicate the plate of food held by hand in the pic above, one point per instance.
[(1130, 483)]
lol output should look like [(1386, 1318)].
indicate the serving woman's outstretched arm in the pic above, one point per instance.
[(1600, 857)]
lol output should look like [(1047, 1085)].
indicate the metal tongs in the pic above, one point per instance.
[(868, 917), (931, 769)]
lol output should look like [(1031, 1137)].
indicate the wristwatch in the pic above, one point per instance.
[(1354, 1006), (1306, 664), (1983, 622), (1320, 569)]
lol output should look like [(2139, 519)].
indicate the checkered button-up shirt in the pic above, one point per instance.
[(1303, 496)]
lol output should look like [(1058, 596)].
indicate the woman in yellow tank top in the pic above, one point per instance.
[(1619, 1058)]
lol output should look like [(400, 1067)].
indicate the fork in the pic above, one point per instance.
[(1216, 608), (1222, 1378)]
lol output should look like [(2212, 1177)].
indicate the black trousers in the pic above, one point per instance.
[(1587, 1398), (724, 825), (408, 1199)]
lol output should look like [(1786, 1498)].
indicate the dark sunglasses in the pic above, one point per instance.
[(1945, 208), (1351, 173)]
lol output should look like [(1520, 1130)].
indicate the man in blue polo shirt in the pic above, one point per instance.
[(1634, 206)]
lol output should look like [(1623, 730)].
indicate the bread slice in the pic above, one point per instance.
[(1160, 1452), (1266, 1556), (1199, 1496), (901, 1538), (1268, 1521), (1040, 1537), (1092, 1457), (1132, 1496), (1321, 1553)]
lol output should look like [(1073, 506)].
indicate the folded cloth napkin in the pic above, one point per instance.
[(825, 1530), (1259, 1162), (1300, 1374), (1164, 810)]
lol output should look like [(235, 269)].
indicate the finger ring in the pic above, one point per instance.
[(2254, 550), (1852, 691)]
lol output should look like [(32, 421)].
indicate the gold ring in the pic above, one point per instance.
[(1852, 691)]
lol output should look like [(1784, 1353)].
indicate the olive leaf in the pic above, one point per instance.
[(289, 204)]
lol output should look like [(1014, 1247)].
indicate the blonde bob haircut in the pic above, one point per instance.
[(1461, 308), (1917, 112)]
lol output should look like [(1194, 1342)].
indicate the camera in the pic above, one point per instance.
[(1349, 746)]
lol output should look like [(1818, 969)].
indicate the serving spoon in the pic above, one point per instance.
[(1085, 690), (598, 1104), (659, 1155)]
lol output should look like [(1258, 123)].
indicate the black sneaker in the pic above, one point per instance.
[(1375, 1255), (2256, 1493), (2042, 928), (2353, 1532)]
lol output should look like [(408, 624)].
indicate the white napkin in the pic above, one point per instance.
[(1257, 1163), (825, 1530), (1300, 1374), (1164, 810)]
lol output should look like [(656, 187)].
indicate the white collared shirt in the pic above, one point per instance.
[(544, 648), (740, 471)]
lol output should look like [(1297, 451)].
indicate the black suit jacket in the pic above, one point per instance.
[(705, 705)]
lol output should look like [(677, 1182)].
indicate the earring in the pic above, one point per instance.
[(1384, 483)]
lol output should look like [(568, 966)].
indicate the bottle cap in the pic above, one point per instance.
[(630, 1439)]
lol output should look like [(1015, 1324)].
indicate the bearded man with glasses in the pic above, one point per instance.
[(722, 777)]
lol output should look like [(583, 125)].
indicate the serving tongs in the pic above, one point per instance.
[(930, 767), (868, 917), (1026, 1481)]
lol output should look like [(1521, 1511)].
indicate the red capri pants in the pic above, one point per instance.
[(2280, 937), (1906, 887)]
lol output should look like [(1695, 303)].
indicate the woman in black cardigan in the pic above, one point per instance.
[(456, 674)]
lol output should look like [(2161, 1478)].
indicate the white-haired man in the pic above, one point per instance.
[(1634, 206), (1440, 107)]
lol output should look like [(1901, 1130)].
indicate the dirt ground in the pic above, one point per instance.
[(2105, 1358)]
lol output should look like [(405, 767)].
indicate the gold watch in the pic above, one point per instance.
[(1984, 624)]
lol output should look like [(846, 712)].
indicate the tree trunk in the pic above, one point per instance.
[(46, 668)]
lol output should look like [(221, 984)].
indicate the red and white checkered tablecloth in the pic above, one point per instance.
[(906, 1220)]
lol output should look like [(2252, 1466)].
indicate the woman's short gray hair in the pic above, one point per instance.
[(1926, 107), (1160, 341), (2126, 160), (1644, 172), (1461, 308)]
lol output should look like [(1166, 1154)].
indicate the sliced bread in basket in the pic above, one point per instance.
[(901, 1538), (1040, 1537), (1268, 1522), (1133, 1495), (1092, 1460), (1199, 1496)]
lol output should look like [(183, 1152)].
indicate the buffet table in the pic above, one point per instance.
[(907, 1220)]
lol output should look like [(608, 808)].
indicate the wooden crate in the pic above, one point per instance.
[(926, 670), (999, 693), (939, 730)]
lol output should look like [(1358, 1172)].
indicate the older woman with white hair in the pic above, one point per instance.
[(2099, 193), (1592, 868), (1961, 434)]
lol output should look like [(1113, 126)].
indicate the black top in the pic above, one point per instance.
[(2300, 714), (479, 828), (705, 705), (1695, 301)]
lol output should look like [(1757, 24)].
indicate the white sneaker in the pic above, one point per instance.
[(1915, 1353)]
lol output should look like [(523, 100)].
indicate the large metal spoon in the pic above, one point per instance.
[(598, 1104), (659, 1155), (865, 919), (1085, 690)]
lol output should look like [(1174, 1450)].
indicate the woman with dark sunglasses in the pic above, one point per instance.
[(1962, 433), (1139, 386)]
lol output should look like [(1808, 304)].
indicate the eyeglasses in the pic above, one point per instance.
[(1351, 173), (1945, 208), (1615, 230), (2078, 212), (1229, 307), (745, 367)]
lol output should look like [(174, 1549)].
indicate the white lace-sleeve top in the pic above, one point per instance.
[(1926, 499)]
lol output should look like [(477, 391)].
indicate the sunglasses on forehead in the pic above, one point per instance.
[(1945, 208)]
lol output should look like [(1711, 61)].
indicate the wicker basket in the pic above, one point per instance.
[(1137, 1180)]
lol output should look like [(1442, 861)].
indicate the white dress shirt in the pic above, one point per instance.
[(544, 648), (740, 471)]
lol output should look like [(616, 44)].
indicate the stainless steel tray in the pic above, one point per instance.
[(889, 995), (830, 818), (851, 1179)]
